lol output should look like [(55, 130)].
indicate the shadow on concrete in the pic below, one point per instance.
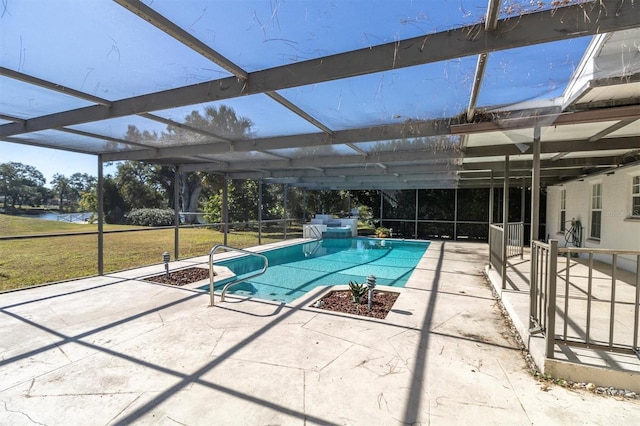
[(412, 409), (185, 379)]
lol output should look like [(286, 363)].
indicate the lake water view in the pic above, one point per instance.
[(63, 217)]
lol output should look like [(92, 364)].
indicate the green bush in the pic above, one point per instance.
[(357, 291), (382, 232), (150, 217)]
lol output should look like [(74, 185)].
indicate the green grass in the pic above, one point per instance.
[(36, 261)]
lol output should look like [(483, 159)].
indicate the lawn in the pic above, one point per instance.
[(28, 262)]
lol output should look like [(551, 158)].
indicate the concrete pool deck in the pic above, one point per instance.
[(118, 350)]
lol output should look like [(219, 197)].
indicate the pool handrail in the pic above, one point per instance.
[(213, 250)]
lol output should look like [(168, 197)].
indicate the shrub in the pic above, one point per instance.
[(357, 291), (150, 217), (382, 232)]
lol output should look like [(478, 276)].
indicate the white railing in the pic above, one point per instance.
[(74, 217)]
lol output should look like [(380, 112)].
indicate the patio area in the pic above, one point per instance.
[(115, 349)]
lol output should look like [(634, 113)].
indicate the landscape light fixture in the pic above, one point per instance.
[(166, 256), (371, 283)]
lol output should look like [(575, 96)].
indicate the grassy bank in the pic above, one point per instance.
[(36, 261)]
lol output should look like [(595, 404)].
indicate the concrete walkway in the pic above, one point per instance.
[(117, 350)]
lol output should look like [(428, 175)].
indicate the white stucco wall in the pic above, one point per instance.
[(619, 229)]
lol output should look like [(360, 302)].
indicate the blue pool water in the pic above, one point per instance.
[(295, 270)]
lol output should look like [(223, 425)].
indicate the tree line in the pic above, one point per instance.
[(137, 185), (24, 185)]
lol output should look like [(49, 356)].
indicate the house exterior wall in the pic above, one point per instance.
[(620, 229)]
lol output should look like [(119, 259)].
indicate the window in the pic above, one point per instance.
[(635, 196), (596, 211), (563, 209)]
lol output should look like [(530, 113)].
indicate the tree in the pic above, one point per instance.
[(20, 183), (220, 121), (164, 180), (114, 205), (139, 187), (213, 209), (243, 200), (60, 185), (190, 188), (328, 201), (79, 184)]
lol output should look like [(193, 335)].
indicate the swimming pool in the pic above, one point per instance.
[(295, 270)]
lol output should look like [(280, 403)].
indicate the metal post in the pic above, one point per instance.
[(535, 185), (260, 212), (590, 298), (304, 204), (415, 231), (225, 207), (522, 214), (381, 205), (522, 201), (100, 217), (550, 333), (285, 189), (490, 206), (455, 214), (612, 314), (533, 284), (636, 314), (176, 213), (505, 221)]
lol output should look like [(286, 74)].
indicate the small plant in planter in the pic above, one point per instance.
[(357, 291), (382, 232)]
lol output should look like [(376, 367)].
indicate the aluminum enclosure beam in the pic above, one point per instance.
[(402, 173), (366, 170), (16, 75), (565, 163), (368, 134), (159, 21), (381, 178), (579, 117), (539, 27), (412, 156), (440, 127), (298, 111), (311, 161), (88, 97), (490, 24)]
